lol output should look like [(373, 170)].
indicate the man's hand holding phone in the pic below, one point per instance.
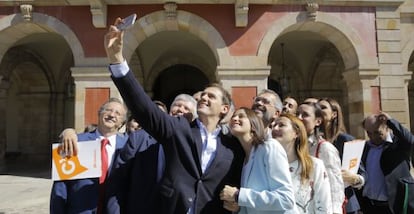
[(113, 41), (127, 22)]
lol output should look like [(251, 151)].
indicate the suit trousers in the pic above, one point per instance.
[(370, 206)]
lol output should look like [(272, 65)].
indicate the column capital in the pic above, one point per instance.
[(90, 73), (360, 74), (225, 71)]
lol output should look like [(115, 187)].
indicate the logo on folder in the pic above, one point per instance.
[(353, 163), (66, 167)]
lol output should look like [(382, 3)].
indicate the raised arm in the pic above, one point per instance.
[(400, 131), (157, 123)]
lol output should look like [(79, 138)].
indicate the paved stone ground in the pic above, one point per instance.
[(25, 190)]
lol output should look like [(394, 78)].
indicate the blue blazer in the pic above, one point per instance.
[(266, 185), (80, 196), (183, 185), (132, 186)]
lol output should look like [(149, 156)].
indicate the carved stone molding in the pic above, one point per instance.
[(312, 9), (170, 9), (241, 12), (26, 10), (99, 13)]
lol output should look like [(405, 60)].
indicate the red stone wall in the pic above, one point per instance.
[(94, 98), (240, 41)]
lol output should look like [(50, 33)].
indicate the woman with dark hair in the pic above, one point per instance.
[(333, 120), (266, 186), (312, 117), (334, 131), (310, 182)]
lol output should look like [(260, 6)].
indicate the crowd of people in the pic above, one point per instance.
[(205, 156)]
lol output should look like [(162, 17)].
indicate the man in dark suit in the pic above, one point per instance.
[(200, 160), (84, 195), (140, 166), (136, 172), (386, 159)]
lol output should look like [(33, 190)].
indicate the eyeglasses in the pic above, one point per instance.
[(108, 110), (262, 99)]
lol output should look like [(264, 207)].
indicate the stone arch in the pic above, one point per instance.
[(41, 23), (9, 63), (43, 95), (187, 22), (353, 53), (406, 53), (29, 96), (360, 66)]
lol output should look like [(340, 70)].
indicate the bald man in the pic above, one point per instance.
[(386, 157)]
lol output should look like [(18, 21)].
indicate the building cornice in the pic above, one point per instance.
[(261, 2), (241, 7)]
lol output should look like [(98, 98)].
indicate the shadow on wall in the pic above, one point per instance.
[(22, 165)]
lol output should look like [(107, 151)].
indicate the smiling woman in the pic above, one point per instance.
[(265, 181), (311, 185)]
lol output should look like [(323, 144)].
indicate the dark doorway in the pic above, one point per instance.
[(178, 79), (275, 86)]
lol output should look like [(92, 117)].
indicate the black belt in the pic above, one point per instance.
[(378, 203)]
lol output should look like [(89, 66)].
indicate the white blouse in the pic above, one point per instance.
[(330, 157), (313, 196)]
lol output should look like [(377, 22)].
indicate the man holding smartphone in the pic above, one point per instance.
[(200, 159)]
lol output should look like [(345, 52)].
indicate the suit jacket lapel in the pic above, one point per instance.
[(197, 146)]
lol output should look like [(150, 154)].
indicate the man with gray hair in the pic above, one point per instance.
[(267, 105), (184, 105), (87, 195), (141, 164)]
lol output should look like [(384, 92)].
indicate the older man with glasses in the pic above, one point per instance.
[(267, 105)]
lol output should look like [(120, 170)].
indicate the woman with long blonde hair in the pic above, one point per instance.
[(312, 117), (310, 182)]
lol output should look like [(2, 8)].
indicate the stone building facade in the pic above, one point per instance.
[(53, 69)]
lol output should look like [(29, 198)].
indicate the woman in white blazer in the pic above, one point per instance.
[(266, 186), (309, 177)]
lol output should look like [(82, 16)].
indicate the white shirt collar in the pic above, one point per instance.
[(112, 138)]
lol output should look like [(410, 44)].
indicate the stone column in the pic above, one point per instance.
[(359, 82), (230, 77), (393, 78), (89, 77), (3, 131)]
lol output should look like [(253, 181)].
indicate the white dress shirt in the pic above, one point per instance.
[(110, 147)]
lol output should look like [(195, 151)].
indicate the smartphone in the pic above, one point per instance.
[(127, 22)]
